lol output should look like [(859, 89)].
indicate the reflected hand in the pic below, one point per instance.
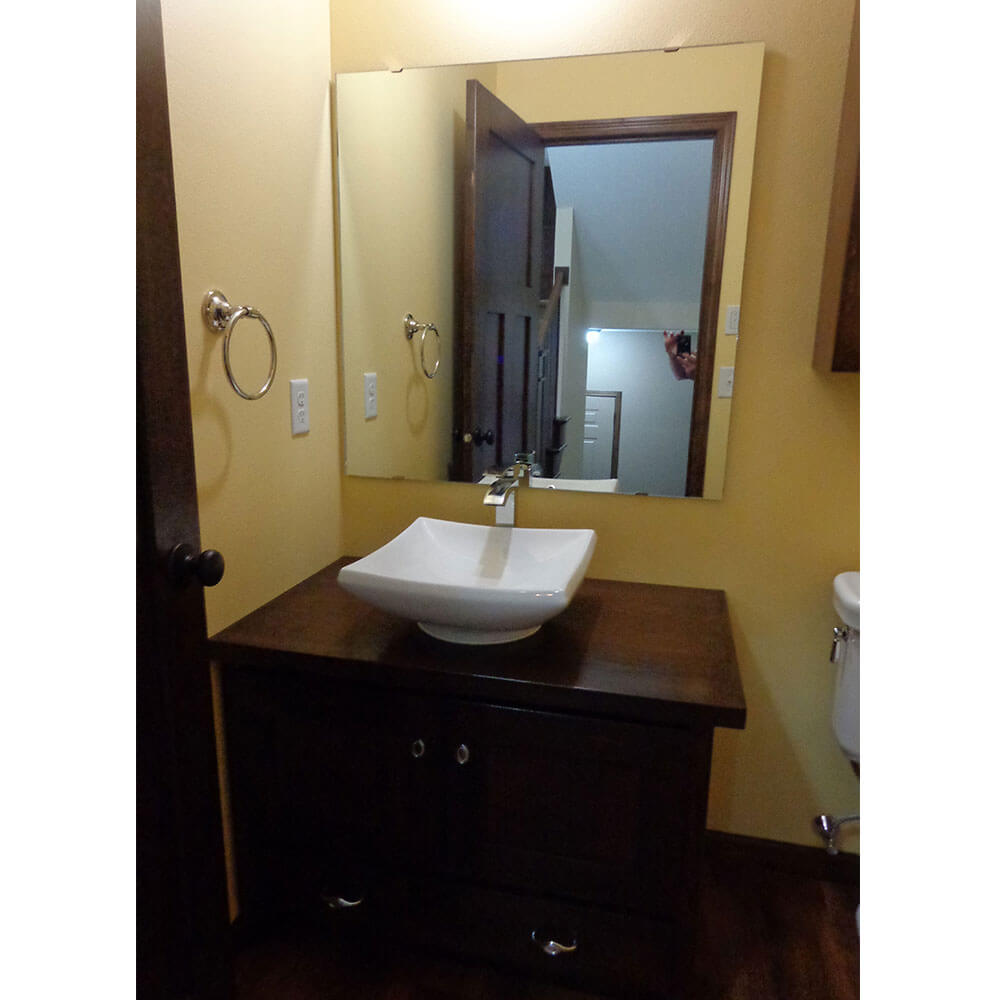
[(683, 366)]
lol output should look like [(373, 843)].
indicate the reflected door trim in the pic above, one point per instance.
[(616, 426), (721, 128)]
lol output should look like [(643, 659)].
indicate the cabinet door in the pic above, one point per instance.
[(331, 784), (578, 807)]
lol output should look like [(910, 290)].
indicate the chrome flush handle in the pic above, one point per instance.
[(839, 636)]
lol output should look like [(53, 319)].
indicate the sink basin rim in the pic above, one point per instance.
[(523, 577)]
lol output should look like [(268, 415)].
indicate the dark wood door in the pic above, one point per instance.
[(501, 272), (580, 808), (546, 447), (182, 922)]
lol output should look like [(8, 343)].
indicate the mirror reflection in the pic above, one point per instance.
[(636, 216), (552, 310)]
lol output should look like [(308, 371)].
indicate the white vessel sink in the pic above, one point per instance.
[(472, 583)]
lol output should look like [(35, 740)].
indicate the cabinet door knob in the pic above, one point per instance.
[(552, 947), (417, 748), (462, 754), (184, 562)]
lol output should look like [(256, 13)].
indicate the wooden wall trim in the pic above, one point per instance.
[(834, 320), (711, 292), (792, 859)]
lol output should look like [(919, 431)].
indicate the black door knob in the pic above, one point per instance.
[(479, 436), (184, 562)]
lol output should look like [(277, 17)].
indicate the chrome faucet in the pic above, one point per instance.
[(503, 487)]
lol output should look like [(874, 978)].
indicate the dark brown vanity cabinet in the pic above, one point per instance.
[(330, 784), (576, 807), (544, 810)]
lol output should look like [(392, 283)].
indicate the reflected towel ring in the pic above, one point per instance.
[(221, 316), (410, 327)]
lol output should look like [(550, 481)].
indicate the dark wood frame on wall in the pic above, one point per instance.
[(838, 323), (721, 128)]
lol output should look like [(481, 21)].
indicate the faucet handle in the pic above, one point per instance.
[(524, 462)]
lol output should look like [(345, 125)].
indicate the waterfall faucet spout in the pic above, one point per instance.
[(503, 487)]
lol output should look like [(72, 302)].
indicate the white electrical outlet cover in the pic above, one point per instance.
[(371, 395), (732, 320), (299, 390)]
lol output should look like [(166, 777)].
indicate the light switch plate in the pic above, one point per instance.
[(371, 395), (300, 405), (726, 381), (732, 320)]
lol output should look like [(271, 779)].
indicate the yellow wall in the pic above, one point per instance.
[(397, 245), (789, 517), (249, 93)]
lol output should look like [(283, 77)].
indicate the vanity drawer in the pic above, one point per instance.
[(581, 946), (585, 947)]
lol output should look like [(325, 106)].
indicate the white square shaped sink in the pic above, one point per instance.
[(471, 583)]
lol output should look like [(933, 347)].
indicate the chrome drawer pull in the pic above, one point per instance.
[(462, 754), (417, 748), (339, 903), (551, 947)]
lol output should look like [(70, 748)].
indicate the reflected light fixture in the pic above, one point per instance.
[(593, 335)]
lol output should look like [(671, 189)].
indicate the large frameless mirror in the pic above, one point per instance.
[(573, 230)]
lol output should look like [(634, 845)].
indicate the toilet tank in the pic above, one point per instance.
[(847, 693)]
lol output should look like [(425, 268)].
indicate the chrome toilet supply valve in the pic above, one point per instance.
[(840, 634), (828, 827)]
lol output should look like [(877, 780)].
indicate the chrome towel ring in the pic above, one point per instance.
[(410, 327), (222, 317)]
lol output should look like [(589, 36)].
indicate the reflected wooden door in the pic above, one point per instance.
[(501, 272)]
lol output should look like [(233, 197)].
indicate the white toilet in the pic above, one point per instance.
[(847, 656)]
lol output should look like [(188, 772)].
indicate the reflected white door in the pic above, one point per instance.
[(599, 436)]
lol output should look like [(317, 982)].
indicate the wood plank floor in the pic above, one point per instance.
[(764, 935)]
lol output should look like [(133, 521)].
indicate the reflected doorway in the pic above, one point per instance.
[(601, 434), (504, 372)]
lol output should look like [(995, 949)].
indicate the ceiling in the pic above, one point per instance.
[(640, 211)]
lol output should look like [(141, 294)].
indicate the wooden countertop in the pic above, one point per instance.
[(633, 651)]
